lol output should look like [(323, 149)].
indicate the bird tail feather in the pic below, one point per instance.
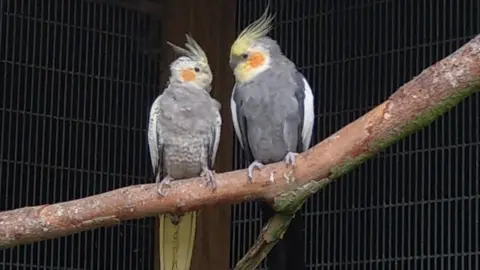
[(177, 238)]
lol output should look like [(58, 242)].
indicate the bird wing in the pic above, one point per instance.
[(216, 130), (233, 108), (304, 97), (155, 141), (239, 123)]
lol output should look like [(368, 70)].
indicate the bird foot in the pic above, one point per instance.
[(161, 185), (251, 167), (291, 158), (272, 178), (209, 177)]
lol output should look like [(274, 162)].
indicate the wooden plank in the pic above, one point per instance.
[(212, 24)]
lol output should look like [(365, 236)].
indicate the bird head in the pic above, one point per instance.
[(192, 66), (251, 52)]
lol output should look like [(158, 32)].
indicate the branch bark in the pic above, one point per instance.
[(410, 108)]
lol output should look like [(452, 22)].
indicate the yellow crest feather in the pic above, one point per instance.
[(193, 50), (255, 30)]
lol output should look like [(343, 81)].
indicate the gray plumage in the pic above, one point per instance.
[(183, 136), (272, 116), (184, 131)]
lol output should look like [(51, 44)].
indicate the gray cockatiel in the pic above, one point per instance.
[(273, 115), (183, 137)]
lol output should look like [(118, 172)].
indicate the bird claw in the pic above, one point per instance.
[(210, 178), (272, 178), (251, 167), (291, 158), (161, 184)]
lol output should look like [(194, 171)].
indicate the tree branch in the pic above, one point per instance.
[(412, 107)]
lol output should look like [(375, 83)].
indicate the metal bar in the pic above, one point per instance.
[(54, 112), (152, 7)]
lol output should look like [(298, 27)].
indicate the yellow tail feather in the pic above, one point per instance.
[(177, 237)]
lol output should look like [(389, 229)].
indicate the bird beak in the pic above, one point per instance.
[(233, 62)]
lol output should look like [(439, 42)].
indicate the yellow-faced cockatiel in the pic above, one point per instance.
[(183, 136), (273, 115)]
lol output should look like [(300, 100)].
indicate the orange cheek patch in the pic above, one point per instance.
[(256, 59), (188, 75)]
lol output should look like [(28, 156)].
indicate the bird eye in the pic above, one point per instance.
[(196, 69), (244, 56)]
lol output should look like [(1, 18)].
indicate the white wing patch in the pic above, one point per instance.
[(154, 138), (218, 128), (233, 108), (308, 116)]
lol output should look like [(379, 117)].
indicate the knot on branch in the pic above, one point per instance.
[(287, 204)]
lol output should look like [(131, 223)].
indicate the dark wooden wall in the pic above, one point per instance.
[(212, 24)]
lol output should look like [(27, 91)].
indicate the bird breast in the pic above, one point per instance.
[(187, 127), (185, 155)]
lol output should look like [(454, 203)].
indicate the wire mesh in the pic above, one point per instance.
[(75, 90), (416, 205)]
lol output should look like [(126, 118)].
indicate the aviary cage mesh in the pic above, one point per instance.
[(416, 205), (75, 89)]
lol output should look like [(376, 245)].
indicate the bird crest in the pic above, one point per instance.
[(255, 30), (192, 51)]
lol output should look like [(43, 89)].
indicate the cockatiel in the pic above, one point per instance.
[(273, 115), (183, 136)]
